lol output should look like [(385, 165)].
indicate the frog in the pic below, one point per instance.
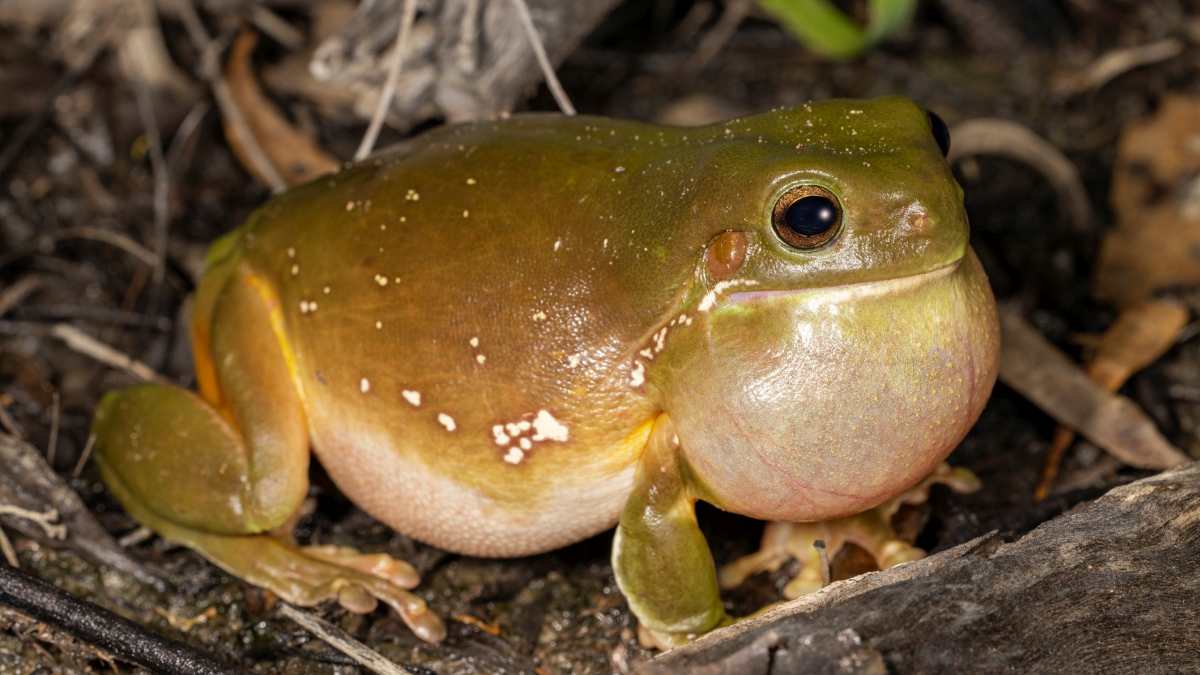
[(509, 335)]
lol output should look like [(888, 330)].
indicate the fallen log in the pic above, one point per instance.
[(1112, 586)]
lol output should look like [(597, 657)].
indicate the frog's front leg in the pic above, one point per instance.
[(870, 530), (225, 476), (660, 557)]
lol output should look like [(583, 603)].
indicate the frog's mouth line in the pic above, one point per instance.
[(849, 292)]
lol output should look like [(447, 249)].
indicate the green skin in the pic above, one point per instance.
[(504, 336)]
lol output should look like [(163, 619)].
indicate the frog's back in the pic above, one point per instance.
[(462, 315)]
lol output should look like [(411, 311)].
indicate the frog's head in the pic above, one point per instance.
[(843, 337)]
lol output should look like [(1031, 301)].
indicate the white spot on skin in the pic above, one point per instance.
[(710, 298), (291, 252), (557, 244), (349, 206), (326, 290), (381, 280), (466, 213), (413, 397), (364, 385), (474, 342), (502, 438), (480, 359), (546, 427), (638, 376), (446, 421), (514, 456), (308, 306), (539, 315), (295, 270), (378, 325), (470, 181), (573, 360), (412, 195), (619, 169)]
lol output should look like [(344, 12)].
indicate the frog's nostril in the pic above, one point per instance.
[(917, 220)]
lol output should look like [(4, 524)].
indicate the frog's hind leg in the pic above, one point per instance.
[(871, 530), (224, 477)]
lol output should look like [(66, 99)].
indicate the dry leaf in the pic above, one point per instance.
[(1142, 334), (293, 154), (1156, 197), (1045, 376)]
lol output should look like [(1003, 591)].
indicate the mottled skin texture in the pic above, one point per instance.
[(500, 336)]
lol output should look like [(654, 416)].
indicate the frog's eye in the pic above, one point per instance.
[(941, 133), (807, 217)]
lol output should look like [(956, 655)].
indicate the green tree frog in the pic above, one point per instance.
[(507, 336)]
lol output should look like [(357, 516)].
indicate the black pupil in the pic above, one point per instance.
[(940, 133), (811, 216)]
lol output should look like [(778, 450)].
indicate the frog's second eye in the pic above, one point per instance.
[(806, 217)]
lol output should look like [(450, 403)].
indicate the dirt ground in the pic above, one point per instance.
[(81, 167)]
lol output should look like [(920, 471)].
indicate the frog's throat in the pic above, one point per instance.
[(832, 295)]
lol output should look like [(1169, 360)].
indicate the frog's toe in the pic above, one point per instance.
[(379, 565), (358, 581)]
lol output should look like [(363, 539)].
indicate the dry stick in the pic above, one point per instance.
[(114, 239), (556, 89), (341, 641), (55, 420), (99, 627), (272, 24), (162, 182), (211, 71), (989, 136), (13, 295), (1118, 62), (407, 16), (10, 553), (84, 456), (85, 344), (43, 519)]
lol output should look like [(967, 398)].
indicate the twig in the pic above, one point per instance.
[(55, 421), (44, 519), (135, 537), (13, 295), (990, 136), (731, 17), (341, 641), (10, 553), (90, 346), (556, 89), (84, 456), (10, 425), (99, 627), (272, 24), (162, 181), (1116, 63), (111, 238), (211, 72), (407, 16)]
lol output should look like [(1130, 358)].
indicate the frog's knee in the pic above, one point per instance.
[(165, 452)]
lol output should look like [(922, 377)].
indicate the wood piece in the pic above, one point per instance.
[(1112, 586), (28, 482), (99, 627), (1044, 375)]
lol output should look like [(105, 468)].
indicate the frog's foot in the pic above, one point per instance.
[(310, 575), (871, 530)]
